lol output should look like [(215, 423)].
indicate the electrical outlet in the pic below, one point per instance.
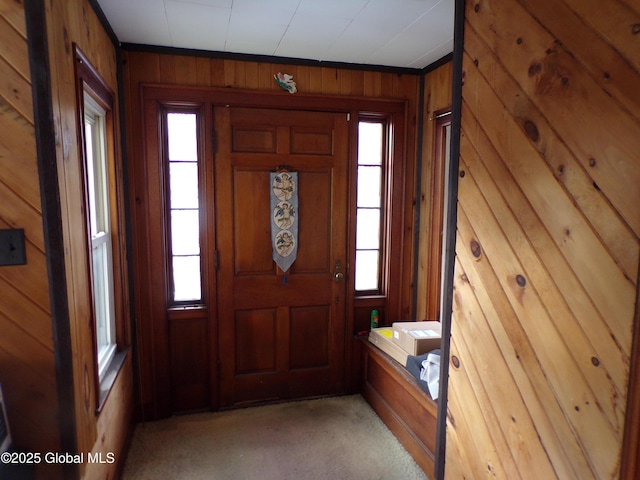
[(12, 250)]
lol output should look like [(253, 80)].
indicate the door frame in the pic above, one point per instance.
[(153, 318)]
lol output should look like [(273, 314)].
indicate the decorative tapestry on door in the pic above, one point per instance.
[(284, 227)]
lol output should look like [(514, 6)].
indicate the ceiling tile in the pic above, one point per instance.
[(310, 36), (406, 33), (125, 21), (332, 8), (197, 26)]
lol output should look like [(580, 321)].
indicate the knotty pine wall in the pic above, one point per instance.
[(27, 371), (68, 23), (547, 241), (437, 98), (27, 357), (163, 68)]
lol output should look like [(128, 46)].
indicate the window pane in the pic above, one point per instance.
[(91, 182), (185, 232), (369, 143), (183, 145), (369, 186), (183, 179), (367, 270), (186, 278), (368, 229), (101, 295)]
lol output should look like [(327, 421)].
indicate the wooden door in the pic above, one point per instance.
[(280, 338)]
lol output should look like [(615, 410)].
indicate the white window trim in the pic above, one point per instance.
[(101, 242)]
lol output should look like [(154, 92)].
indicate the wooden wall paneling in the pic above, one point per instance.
[(29, 278), (27, 370), (252, 75), (13, 13), (552, 79), (497, 394), (315, 80), (613, 231), (566, 297), (17, 142), (140, 66), (345, 82), (234, 74), (167, 68), (554, 355), (372, 84), (437, 95), (563, 448), (14, 48), (356, 83), (22, 215), (616, 21), (475, 431), (330, 80), (407, 86), (114, 424), (16, 89), (609, 288), (203, 71), (29, 385), (266, 71), (71, 23), (613, 72), (387, 81), (546, 188), (73, 226), (19, 306), (189, 363), (186, 70), (154, 327)]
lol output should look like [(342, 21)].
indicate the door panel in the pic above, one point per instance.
[(280, 338), (309, 323), (252, 223), (314, 234)]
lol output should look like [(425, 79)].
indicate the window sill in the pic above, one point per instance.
[(110, 376)]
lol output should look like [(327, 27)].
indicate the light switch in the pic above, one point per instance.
[(12, 250)]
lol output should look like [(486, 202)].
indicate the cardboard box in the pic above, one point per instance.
[(382, 338), (417, 338)]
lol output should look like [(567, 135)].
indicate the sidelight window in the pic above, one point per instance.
[(370, 214), (184, 211)]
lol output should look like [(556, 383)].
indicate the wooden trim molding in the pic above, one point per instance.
[(449, 243), (35, 14), (247, 57), (630, 461)]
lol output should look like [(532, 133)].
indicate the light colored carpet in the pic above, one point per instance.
[(330, 438)]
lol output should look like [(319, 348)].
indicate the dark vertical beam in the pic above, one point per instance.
[(418, 197), (35, 14), (630, 461), (450, 237)]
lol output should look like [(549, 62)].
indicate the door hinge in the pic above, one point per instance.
[(348, 117)]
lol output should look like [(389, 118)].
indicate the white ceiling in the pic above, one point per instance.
[(397, 33)]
